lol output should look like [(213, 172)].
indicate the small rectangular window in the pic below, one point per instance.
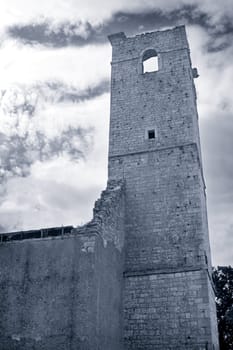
[(151, 134)]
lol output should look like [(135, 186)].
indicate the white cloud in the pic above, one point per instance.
[(81, 67), (60, 191), (215, 106), (216, 73)]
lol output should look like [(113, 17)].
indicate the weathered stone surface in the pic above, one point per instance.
[(65, 292), (168, 297)]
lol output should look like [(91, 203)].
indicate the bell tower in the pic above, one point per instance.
[(154, 146)]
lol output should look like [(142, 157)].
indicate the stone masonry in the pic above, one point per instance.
[(138, 275), (154, 146), (61, 289)]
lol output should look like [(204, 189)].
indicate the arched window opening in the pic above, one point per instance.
[(150, 61)]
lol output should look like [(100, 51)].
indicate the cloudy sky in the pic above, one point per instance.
[(54, 105)]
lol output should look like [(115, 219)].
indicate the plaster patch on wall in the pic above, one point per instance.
[(88, 244), (16, 337), (105, 242), (38, 338)]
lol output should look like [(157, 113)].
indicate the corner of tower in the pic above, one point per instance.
[(116, 37)]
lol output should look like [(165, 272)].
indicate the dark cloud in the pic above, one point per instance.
[(57, 91), (220, 36), (27, 99), (80, 34), (133, 23), (76, 96), (220, 39), (64, 34), (19, 153)]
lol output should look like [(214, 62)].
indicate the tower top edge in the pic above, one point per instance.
[(115, 38)]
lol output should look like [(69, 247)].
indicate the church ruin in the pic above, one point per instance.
[(138, 276)]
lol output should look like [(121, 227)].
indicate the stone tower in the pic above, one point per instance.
[(154, 146)]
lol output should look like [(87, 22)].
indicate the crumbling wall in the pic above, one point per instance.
[(64, 292)]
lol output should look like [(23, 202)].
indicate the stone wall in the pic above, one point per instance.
[(183, 296), (64, 292), (164, 227), (163, 100)]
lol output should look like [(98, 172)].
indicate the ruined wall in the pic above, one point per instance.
[(65, 292)]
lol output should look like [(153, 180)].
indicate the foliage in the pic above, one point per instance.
[(223, 281)]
